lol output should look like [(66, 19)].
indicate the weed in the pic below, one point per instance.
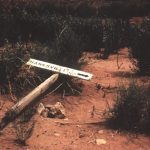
[(24, 126), (23, 132), (15, 75), (131, 111)]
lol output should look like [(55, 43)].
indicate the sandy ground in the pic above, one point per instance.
[(82, 127)]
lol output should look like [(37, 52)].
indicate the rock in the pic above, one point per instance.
[(100, 131), (57, 134), (40, 108), (45, 113), (66, 119), (56, 111), (79, 126), (100, 141), (81, 135), (52, 111)]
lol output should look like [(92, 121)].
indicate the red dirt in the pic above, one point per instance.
[(81, 129)]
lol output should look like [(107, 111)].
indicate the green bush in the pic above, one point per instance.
[(131, 111)]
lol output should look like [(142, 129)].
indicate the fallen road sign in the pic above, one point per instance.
[(60, 69)]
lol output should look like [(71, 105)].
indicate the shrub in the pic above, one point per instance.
[(24, 126), (66, 51), (131, 111), (15, 75), (114, 35), (23, 132), (140, 46), (67, 48), (90, 31), (96, 33)]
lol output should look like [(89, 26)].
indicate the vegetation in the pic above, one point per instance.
[(34, 30), (140, 46), (79, 7), (24, 126), (132, 108), (23, 132), (65, 50), (13, 72), (61, 42)]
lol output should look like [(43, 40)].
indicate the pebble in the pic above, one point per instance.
[(100, 141)]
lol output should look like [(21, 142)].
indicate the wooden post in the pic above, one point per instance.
[(26, 101)]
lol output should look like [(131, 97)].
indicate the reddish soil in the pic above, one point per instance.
[(80, 130)]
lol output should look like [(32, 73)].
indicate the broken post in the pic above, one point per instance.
[(27, 100)]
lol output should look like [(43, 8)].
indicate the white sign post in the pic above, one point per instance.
[(60, 69)]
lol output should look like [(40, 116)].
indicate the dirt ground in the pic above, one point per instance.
[(82, 126)]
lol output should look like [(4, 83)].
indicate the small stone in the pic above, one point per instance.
[(81, 135), (56, 111), (57, 134), (40, 108), (66, 119), (45, 113), (100, 131), (100, 141)]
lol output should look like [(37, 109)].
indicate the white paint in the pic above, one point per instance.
[(60, 69)]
